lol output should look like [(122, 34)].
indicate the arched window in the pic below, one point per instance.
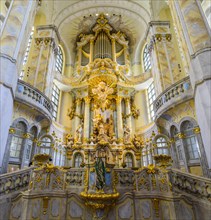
[(146, 59), (59, 60), (147, 156), (129, 160), (162, 146), (45, 147), (78, 160), (17, 140), (17, 147), (174, 135), (190, 141)]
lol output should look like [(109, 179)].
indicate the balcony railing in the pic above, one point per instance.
[(177, 93), (190, 184), (15, 182), (146, 181), (32, 97)]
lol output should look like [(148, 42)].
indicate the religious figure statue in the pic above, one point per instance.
[(102, 92), (79, 133), (100, 173), (69, 140), (102, 136), (126, 137)]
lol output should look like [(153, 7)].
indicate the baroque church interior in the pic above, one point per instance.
[(105, 109)]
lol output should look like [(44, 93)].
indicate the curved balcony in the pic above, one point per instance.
[(177, 93), (28, 95)]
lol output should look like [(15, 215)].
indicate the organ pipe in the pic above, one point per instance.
[(102, 46)]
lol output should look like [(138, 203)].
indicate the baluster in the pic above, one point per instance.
[(176, 90), (182, 88), (172, 92), (30, 91), (33, 94), (25, 90)]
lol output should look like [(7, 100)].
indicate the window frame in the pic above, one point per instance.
[(55, 98), (146, 59), (129, 162), (26, 54), (151, 96), (59, 60)]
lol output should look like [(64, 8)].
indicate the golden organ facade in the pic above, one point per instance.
[(103, 97)]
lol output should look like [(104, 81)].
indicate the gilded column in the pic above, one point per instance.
[(119, 117), (197, 36), (128, 114), (86, 118), (17, 27)]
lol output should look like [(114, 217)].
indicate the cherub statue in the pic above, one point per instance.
[(126, 137), (136, 141)]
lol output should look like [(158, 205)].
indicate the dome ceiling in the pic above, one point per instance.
[(75, 17)]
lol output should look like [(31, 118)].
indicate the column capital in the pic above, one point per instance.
[(127, 100), (118, 99), (78, 101), (12, 130), (87, 99), (181, 135), (196, 130), (26, 135)]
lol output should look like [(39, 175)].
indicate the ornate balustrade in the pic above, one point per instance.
[(177, 93), (75, 177), (15, 181), (48, 177), (145, 181), (31, 96), (190, 184), (126, 178)]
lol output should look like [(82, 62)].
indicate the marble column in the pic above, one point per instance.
[(86, 118), (198, 40), (203, 158), (14, 34), (128, 114), (119, 117), (181, 136), (77, 113)]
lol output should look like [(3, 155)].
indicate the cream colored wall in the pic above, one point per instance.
[(65, 104), (141, 104), (136, 69), (165, 15)]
